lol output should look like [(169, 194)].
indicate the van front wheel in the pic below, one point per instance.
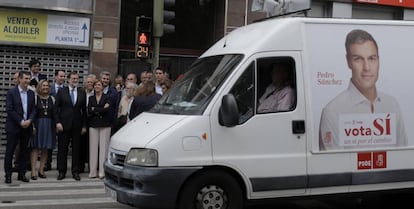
[(215, 189)]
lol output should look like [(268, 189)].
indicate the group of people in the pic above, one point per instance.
[(139, 97), (43, 116)]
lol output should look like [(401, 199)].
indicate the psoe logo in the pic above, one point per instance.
[(364, 160), (372, 160)]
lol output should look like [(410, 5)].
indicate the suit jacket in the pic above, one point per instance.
[(99, 116), (53, 90), (40, 76), (113, 95), (71, 116), (14, 109)]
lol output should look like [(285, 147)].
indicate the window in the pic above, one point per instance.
[(276, 85), (272, 90), (243, 91)]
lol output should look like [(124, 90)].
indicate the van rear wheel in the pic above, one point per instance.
[(211, 190)]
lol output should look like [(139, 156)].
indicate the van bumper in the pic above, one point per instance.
[(146, 187)]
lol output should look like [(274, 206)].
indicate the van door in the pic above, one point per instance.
[(267, 147)]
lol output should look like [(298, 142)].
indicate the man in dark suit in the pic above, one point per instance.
[(105, 77), (21, 112), (70, 123), (36, 76), (54, 88), (58, 83)]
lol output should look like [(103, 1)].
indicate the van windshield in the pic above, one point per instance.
[(191, 94)]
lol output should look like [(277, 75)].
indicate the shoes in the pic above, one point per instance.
[(33, 178), (61, 176), (43, 176), (101, 177), (7, 179), (76, 177), (48, 167), (22, 178)]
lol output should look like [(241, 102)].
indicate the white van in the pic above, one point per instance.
[(348, 128)]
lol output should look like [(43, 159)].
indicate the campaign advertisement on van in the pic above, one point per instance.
[(362, 82)]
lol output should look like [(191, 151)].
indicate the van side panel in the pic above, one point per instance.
[(371, 147)]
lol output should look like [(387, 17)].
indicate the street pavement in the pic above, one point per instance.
[(50, 193), (88, 193)]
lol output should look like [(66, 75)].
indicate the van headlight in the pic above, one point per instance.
[(142, 157)]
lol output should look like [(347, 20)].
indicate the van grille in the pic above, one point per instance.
[(117, 159)]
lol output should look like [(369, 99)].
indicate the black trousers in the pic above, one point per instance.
[(65, 138), (84, 150), (20, 137), (49, 157)]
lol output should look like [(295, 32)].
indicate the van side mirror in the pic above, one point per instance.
[(229, 112)]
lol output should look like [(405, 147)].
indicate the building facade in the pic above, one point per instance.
[(72, 35)]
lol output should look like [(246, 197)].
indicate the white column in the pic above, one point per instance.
[(408, 14), (341, 10)]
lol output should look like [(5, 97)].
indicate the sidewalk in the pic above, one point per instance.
[(52, 174)]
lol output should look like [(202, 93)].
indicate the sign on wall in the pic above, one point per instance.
[(399, 3), (41, 28)]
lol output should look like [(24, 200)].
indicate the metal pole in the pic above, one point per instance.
[(158, 21)]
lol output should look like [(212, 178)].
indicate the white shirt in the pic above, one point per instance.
[(35, 76), (75, 93), (274, 100), (88, 94), (105, 90), (337, 122), (158, 89), (58, 87), (23, 98)]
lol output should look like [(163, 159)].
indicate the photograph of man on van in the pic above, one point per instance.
[(362, 117)]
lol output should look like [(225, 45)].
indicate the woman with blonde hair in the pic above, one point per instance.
[(44, 137)]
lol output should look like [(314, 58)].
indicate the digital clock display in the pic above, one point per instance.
[(142, 52)]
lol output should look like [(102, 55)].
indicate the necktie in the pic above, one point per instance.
[(72, 96)]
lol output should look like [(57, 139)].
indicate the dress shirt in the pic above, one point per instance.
[(88, 94), (351, 103), (105, 90), (23, 97), (274, 100), (158, 89), (35, 76), (58, 87), (75, 94)]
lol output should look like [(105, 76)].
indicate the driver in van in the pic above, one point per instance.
[(279, 95)]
